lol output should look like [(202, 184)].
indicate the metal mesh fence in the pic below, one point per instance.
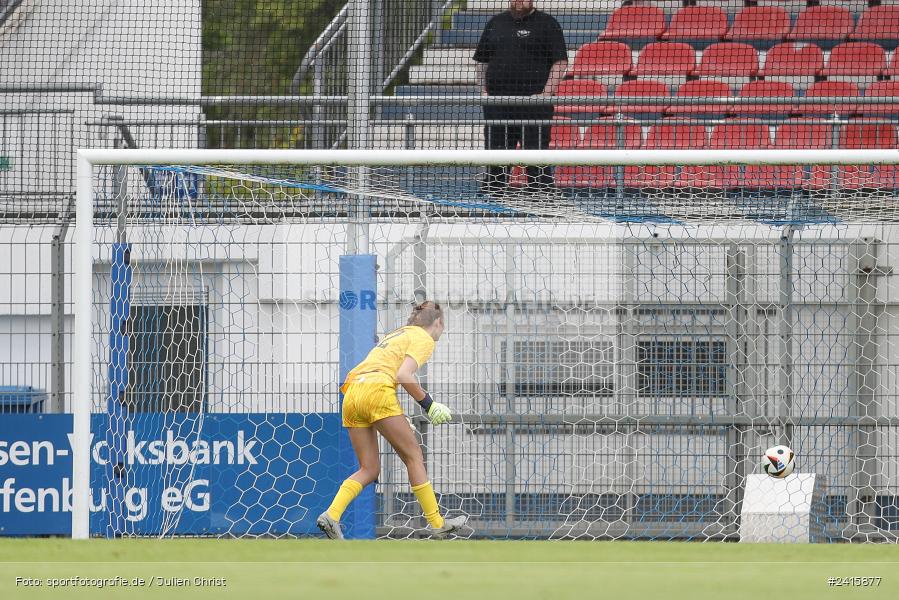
[(582, 361)]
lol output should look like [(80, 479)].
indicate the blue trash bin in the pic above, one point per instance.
[(21, 399)]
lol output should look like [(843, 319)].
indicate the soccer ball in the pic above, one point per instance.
[(778, 461)]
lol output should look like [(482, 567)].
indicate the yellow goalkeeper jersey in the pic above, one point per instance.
[(388, 355)]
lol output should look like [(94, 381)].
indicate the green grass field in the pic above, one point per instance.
[(433, 570)]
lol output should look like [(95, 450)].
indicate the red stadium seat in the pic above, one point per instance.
[(766, 89), (602, 136), (760, 23), (668, 135), (792, 61), (880, 89), (697, 23), (700, 88), (822, 23), (564, 137), (606, 136), (597, 59), (728, 59), (672, 135), (878, 23), (665, 59), (636, 21), (892, 69), (855, 60), (581, 88), (742, 135), (830, 89), (796, 135), (642, 87), (860, 134)]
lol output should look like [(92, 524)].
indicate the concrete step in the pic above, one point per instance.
[(469, 37), (449, 66), (458, 56), (443, 74), (442, 90), (553, 6), (427, 137), (578, 21), (432, 111), (424, 75)]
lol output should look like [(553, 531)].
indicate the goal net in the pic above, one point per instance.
[(627, 332)]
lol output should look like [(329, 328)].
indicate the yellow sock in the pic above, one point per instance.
[(428, 501), (348, 491)]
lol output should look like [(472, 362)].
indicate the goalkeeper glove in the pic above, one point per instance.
[(438, 413)]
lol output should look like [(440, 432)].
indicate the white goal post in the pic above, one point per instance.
[(733, 315)]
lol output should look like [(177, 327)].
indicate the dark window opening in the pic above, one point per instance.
[(167, 362), (581, 368), (682, 367)]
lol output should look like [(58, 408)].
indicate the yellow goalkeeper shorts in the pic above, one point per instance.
[(368, 400)]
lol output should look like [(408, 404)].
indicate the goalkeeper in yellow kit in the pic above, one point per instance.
[(370, 404)]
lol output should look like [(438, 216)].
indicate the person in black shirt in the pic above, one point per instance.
[(521, 52)]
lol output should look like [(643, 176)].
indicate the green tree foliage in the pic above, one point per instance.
[(253, 48)]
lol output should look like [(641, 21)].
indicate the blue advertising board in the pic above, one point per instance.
[(240, 474)]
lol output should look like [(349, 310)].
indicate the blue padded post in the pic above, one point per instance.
[(358, 330), (119, 310)]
